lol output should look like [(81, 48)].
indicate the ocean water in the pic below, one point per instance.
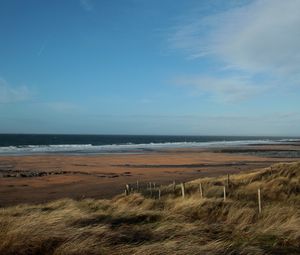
[(21, 144)]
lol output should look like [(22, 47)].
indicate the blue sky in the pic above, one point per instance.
[(150, 67)]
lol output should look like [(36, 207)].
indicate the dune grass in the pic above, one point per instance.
[(138, 224)]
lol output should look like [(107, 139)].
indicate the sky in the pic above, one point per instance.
[(161, 67)]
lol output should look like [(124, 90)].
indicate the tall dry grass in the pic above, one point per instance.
[(137, 224)]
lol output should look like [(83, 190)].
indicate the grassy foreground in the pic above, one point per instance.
[(139, 225)]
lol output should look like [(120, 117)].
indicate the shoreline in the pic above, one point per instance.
[(131, 148), (43, 178)]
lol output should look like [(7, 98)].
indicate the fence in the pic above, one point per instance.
[(155, 191)]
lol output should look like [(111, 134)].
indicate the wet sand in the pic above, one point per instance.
[(42, 178)]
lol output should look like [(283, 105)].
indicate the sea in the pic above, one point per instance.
[(30, 144)]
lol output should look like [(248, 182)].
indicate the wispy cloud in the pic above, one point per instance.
[(87, 5), (13, 94), (260, 38), (229, 89), (146, 101), (63, 107)]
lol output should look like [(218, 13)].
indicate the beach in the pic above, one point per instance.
[(43, 178)]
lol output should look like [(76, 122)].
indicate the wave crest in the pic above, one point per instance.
[(122, 148)]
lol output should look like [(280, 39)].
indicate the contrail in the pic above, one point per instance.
[(42, 48)]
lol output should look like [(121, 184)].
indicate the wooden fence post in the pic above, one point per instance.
[(174, 186), (200, 190), (259, 200), (224, 191), (137, 186), (127, 190), (182, 190), (159, 193)]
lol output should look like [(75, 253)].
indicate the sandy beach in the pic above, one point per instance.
[(43, 178)]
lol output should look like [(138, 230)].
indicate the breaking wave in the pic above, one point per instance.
[(124, 148)]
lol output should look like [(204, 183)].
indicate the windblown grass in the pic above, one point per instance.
[(137, 224)]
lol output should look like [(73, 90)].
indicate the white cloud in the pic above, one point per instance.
[(63, 107), (87, 5), (230, 89), (260, 38), (10, 94)]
